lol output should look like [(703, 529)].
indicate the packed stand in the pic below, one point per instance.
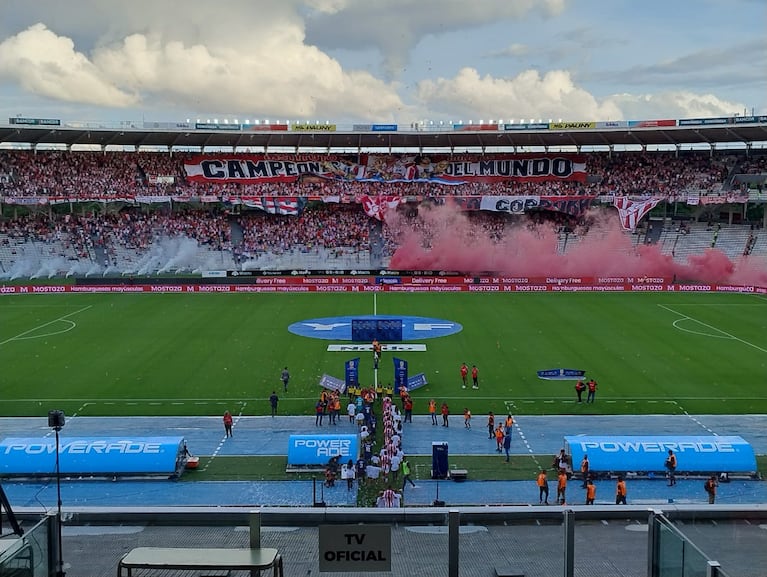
[(82, 175), (329, 227)]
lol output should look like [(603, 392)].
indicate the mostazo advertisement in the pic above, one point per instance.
[(647, 453), (94, 456), (342, 284), (319, 449)]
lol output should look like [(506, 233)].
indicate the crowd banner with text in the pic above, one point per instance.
[(352, 372), (510, 204), (319, 449), (439, 169), (400, 373), (647, 453), (291, 206), (92, 456)]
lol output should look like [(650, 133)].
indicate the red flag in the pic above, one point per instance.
[(632, 211), (376, 206)]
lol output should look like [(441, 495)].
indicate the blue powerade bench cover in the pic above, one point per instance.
[(319, 449), (695, 454), (92, 456)]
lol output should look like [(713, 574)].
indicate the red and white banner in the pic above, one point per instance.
[(376, 206), (632, 211), (435, 169), (272, 204)]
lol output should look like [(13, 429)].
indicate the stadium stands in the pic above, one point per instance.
[(116, 175), (151, 219)]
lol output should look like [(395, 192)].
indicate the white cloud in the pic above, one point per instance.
[(527, 95), (273, 75), (530, 95), (49, 65), (677, 104)]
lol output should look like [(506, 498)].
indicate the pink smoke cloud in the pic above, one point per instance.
[(446, 239)]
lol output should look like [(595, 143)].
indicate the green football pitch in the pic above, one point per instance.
[(199, 354)]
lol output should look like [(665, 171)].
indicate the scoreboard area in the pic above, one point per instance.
[(385, 330)]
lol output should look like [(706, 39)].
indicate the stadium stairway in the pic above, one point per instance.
[(99, 254), (235, 230)]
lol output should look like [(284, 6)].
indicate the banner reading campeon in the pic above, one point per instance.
[(441, 169)]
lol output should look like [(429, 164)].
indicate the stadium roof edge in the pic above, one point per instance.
[(455, 141)]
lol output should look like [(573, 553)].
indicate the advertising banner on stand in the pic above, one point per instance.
[(400, 373), (351, 369)]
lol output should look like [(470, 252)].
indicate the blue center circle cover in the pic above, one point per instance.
[(340, 328)]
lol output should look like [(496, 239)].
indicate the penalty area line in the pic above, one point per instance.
[(731, 336), (20, 336)]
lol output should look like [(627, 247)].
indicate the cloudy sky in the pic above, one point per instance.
[(382, 60)]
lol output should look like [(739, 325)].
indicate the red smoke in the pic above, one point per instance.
[(530, 250)]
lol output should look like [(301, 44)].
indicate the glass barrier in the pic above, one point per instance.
[(503, 541), (26, 556), (675, 555)]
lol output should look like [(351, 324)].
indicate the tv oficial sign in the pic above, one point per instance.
[(347, 548), (319, 449)]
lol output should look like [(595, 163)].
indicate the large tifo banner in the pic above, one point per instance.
[(441, 169), (646, 453), (94, 456), (319, 449)]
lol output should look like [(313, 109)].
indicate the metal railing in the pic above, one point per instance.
[(446, 541)]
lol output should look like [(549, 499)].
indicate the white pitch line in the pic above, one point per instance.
[(221, 443), (733, 337), (695, 420), (20, 335), (520, 433)]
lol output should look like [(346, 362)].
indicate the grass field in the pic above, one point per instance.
[(201, 354)]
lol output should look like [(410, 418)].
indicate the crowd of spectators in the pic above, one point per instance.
[(81, 236), (87, 175), (752, 165), (339, 229), (325, 226)]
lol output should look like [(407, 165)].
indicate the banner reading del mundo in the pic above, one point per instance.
[(438, 169)]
